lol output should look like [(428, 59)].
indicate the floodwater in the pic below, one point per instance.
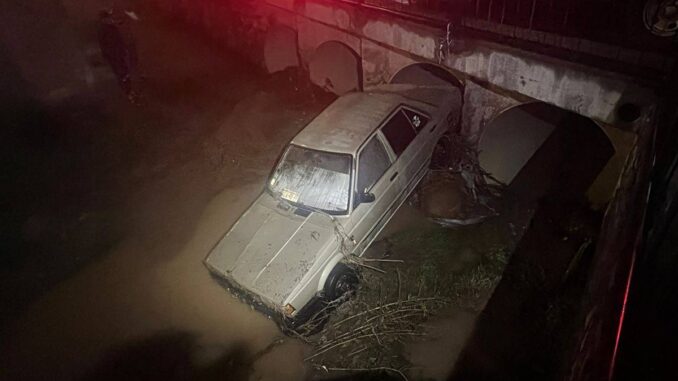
[(129, 297), (189, 162)]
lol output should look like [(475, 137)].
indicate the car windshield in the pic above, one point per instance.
[(316, 179)]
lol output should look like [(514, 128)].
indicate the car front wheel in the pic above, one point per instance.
[(342, 281)]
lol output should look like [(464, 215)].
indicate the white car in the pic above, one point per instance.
[(334, 188)]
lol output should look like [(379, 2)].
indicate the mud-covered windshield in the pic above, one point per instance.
[(317, 179)]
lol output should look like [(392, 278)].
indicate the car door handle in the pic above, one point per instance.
[(393, 176)]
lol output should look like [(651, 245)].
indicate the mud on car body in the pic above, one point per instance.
[(334, 188)]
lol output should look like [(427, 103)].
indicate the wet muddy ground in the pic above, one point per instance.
[(109, 247), (119, 211)]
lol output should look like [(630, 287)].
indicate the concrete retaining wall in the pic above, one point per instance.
[(386, 43)]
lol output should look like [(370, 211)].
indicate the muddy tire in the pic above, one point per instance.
[(342, 281)]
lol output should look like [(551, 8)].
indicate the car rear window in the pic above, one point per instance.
[(399, 132), (417, 120)]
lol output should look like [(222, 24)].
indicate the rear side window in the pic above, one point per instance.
[(399, 132), (373, 162)]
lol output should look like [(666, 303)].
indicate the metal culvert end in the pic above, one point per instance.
[(629, 112), (661, 17)]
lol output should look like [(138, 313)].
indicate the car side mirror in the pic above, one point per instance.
[(366, 197)]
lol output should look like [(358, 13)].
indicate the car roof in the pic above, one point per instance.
[(345, 124)]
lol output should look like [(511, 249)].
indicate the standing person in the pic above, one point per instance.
[(119, 49)]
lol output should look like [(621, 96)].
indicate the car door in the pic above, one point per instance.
[(409, 133), (376, 175)]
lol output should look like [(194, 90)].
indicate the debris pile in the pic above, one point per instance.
[(421, 275), (368, 332), (458, 191)]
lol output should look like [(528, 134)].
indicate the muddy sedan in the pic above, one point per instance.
[(334, 188)]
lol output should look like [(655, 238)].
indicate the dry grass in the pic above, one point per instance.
[(391, 307)]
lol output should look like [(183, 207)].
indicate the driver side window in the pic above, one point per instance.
[(372, 163)]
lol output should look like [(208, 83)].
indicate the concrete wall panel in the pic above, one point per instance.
[(380, 63), (418, 42), (480, 107), (578, 89), (313, 34), (335, 16)]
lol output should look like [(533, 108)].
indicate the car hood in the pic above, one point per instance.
[(269, 250)]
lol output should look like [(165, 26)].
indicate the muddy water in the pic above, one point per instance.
[(151, 293), (123, 298), (148, 306)]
